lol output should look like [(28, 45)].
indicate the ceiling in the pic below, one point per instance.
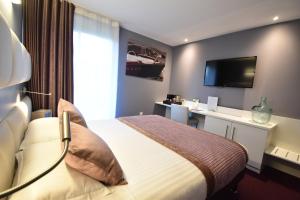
[(171, 21)]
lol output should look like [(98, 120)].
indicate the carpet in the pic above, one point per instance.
[(271, 184)]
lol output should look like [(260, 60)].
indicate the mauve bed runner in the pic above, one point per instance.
[(219, 159)]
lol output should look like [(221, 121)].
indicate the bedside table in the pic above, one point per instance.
[(41, 114)]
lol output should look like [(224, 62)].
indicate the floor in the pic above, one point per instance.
[(270, 185)]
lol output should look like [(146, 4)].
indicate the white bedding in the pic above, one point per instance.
[(152, 170)]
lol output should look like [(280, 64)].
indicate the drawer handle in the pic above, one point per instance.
[(226, 131), (233, 132)]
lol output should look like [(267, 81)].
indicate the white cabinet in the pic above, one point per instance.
[(255, 140), (217, 126)]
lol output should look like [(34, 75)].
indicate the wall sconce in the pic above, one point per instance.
[(24, 91)]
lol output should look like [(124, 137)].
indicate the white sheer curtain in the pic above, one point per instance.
[(96, 49)]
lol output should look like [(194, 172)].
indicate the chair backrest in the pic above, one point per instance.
[(179, 113)]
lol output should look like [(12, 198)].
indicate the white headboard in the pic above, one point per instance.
[(15, 68), (12, 129), (15, 61)]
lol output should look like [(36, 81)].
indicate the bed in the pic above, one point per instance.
[(152, 170)]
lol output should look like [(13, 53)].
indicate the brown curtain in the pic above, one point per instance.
[(48, 36)]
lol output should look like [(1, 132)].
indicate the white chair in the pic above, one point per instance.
[(180, 114)]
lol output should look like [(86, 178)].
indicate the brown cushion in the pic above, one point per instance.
[(90, 155), (75, 115)]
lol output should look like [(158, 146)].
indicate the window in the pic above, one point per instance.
[(95, 65)]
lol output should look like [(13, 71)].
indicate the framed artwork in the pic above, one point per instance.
[(145, 61)]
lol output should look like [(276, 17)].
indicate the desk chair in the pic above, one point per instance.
[(180, 114)]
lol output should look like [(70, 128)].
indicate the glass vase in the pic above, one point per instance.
[(262, 113)]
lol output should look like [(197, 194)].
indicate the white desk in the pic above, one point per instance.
[(233, 115), (236, 125)]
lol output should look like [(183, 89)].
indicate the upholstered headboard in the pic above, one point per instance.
[(15, 68), (12, 129), (15, 61)]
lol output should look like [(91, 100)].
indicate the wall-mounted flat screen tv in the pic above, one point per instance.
[(232, 72)]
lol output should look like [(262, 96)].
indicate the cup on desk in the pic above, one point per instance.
[(195, 104)]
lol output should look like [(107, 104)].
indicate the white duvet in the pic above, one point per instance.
[(153, 171)]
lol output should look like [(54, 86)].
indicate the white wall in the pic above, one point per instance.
[(287, 133)]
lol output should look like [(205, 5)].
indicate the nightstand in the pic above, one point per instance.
[(41, 114)]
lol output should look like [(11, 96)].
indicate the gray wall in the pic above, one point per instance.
[(13, 15), (138, 94), (277, 48)]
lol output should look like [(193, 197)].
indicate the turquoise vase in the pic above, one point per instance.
[(262, 112)]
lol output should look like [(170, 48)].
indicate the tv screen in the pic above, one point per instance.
[(232, 72)]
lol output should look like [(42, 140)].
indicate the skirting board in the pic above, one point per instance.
[(253, 169)]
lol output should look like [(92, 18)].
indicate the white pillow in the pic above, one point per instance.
[(60, 184), (41, 130)]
